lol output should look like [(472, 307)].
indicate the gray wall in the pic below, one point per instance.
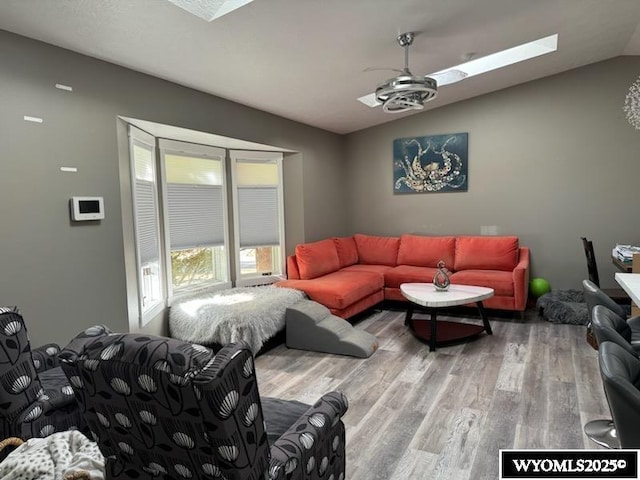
[(66, 277), (549, 161)]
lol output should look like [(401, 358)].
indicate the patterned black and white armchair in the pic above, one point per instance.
[(164, 408), (36, 399)]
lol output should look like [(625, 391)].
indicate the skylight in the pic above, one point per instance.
[(507, 57), (209, 10)]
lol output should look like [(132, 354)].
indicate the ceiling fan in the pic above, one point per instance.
[(410, 92)]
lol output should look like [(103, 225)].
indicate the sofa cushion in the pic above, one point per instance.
[(380, 269), (347, 251), (375, 250), (317, 259), (396, 276), (423, 251), (486, 253), (501, 282), (340, 289)]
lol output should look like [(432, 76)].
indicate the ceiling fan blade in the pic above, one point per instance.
[(370, 100), (447, 77), (373, 69)]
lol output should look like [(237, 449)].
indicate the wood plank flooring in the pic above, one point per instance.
[(445, 414)]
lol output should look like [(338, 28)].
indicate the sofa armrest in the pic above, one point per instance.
[(46, 357), (521, 280), (316, 441)]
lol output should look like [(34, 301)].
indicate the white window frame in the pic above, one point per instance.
[(145, 314), (242, 280), (166, 146)]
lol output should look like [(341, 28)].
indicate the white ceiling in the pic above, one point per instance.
[(304, 59)]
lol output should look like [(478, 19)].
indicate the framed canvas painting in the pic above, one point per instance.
[(431, 164)]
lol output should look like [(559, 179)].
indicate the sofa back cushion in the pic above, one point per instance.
[(374, 250), (317, 259), (292, 268), (486, 253), (422, 251), (347, 251)]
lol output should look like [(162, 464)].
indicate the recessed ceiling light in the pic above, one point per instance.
[(209, 10)]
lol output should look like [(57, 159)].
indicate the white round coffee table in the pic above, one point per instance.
[(441, 332)]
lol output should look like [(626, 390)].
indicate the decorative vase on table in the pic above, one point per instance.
[(441, 278)]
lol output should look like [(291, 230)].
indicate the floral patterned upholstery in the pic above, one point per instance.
[(164, 408), (36, 399), (313, 447)]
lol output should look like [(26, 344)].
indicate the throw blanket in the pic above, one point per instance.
[(252, 314), (55, 457)]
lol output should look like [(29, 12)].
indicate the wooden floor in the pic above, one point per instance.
[(414, 414)]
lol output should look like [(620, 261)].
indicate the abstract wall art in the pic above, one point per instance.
[(431, 164)]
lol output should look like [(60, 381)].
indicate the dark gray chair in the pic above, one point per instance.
[(163, 408), (628, 328), (620, 371), (36, 399), (594, 295), (609, 327)]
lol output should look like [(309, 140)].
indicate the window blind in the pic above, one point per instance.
[(146, 221), (195, 215), (258, 216)]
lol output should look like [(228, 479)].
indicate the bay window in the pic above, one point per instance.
[(183, 221)]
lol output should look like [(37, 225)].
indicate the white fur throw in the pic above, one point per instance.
[(252, 314), (58, 456)]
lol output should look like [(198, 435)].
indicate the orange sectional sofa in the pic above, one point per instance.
[(350, 274)]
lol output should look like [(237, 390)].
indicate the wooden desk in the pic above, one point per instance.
[(625, 267), (630, 282)]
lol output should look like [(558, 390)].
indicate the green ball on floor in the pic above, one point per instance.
[(539, 286)]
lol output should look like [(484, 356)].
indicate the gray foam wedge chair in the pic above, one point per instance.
[(311, 326), (620, 373), (161, 408)]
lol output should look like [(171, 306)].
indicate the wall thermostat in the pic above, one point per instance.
[(86, 208)]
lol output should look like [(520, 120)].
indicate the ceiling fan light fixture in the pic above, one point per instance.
[(406, 92), (403, 102)]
